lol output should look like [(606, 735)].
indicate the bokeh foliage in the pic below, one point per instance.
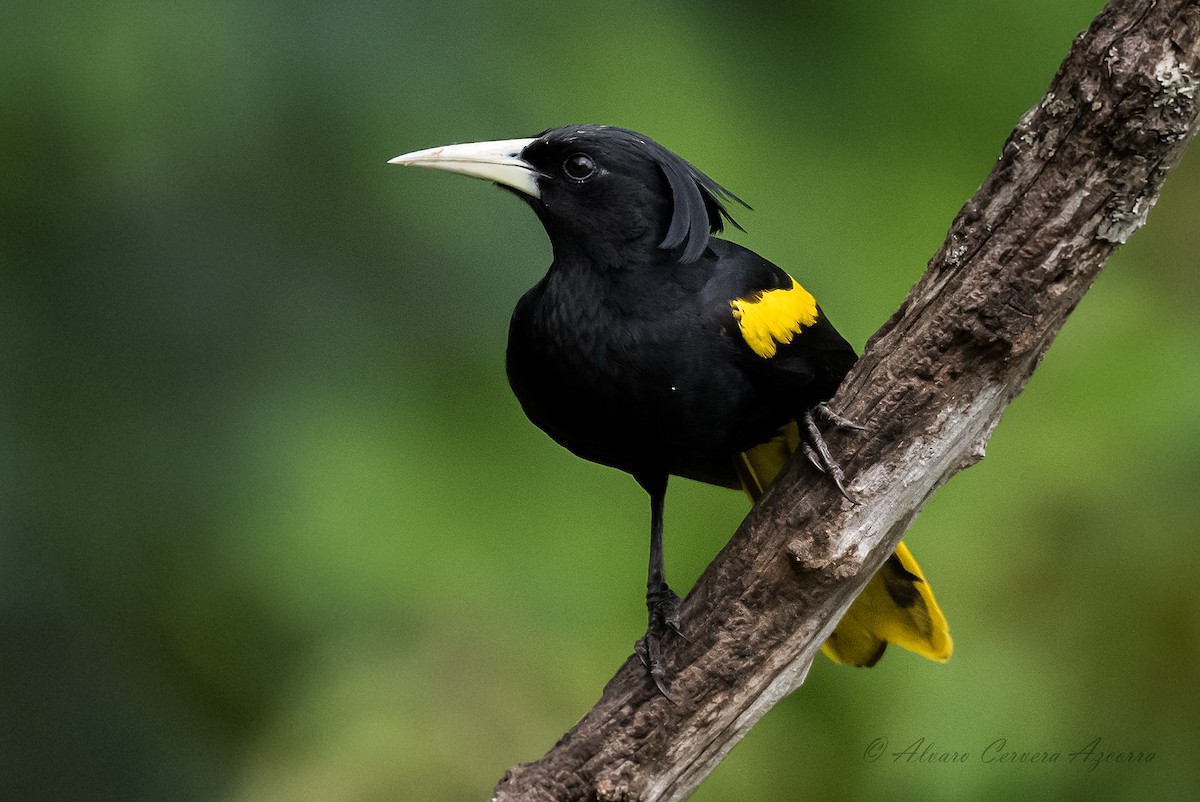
[(273, 528)]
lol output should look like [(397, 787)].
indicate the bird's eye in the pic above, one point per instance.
[(579, 167)]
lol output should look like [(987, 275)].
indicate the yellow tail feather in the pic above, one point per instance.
[(897, 605)]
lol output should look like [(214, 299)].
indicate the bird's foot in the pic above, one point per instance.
[(826, 412), (812, 443), (663, 606)]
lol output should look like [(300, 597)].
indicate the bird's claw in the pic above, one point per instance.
[(649, 651), (813, 444), (836, 418), (663, 606)]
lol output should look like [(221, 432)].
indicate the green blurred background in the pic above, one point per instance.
[(272, 526)]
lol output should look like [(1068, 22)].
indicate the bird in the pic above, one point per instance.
[(657, 348)]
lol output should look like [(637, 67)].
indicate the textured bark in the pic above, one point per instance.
[(1074, 180)]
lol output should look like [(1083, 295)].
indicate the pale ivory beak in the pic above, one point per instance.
[(498, 161)]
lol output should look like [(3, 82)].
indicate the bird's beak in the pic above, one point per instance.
[(498, 161)]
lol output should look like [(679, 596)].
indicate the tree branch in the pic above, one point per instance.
[(1075, 179)]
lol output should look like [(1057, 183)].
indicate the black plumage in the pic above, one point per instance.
[(627, 352), (650, 345)]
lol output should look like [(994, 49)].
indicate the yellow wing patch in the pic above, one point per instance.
[(772, 318)]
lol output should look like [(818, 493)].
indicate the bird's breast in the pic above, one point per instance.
[(633, 391)]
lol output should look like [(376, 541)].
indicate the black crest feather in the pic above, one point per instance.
[(698, 203)]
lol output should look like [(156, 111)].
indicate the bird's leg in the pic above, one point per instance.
[(662, 604), (813, 444)]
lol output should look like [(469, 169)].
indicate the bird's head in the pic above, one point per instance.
[(598, 188)]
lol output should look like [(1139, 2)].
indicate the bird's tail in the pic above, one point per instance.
[(896, 606)]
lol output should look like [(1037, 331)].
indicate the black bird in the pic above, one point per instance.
[(654, 348)]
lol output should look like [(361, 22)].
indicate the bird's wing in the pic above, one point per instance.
[(784, 338), (792, 348)]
